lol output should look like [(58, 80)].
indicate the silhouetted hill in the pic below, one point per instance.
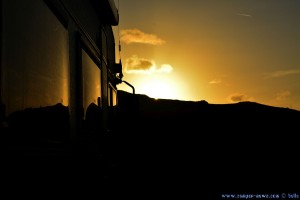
[(241, 147), (242, 117)]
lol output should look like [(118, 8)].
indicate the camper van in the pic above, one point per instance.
[(58, 75)]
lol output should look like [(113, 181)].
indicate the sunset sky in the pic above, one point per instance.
[(221, 51)]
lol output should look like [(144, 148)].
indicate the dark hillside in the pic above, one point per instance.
[(189, 146)]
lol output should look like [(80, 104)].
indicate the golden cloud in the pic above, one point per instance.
[(137, 36), (281, 73), (236, 97), (137, 65), (215, 81)]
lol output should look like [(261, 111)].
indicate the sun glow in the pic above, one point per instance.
[(161, 89), (159, 86)]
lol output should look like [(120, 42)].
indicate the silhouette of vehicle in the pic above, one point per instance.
[(58, 76)]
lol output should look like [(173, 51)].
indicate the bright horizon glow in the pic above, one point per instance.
[(159, 86), (159, 89)]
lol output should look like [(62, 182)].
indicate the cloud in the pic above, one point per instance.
[(136, 65), (215, 81), (281, 73), (165, 68), (236, 97), (244, 15), (283, 95), (137, 36)]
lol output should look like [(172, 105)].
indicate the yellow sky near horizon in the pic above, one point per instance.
[(214, 50)]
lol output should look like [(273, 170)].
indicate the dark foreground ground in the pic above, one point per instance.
[(180, 148), (165, 149)]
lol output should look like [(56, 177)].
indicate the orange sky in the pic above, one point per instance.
[(214, 50)]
